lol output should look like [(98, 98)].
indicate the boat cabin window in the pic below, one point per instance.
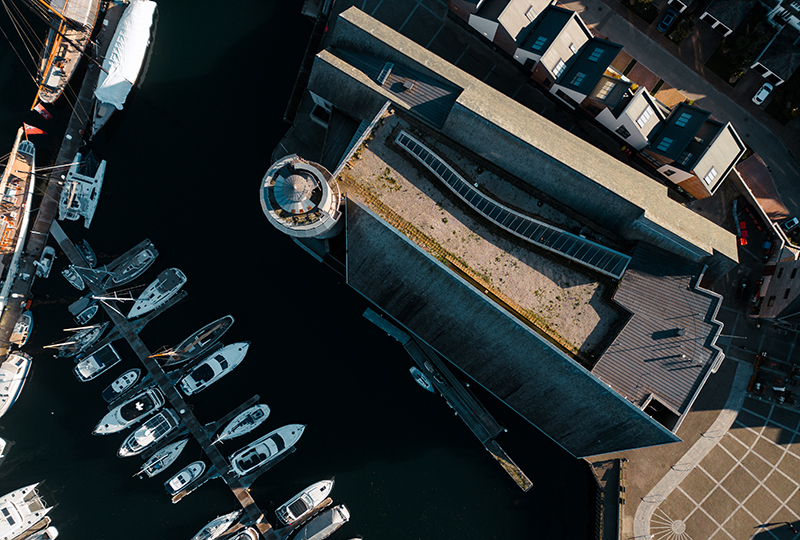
[(203, 373)]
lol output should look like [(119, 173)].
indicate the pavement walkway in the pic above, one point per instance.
[(679, 471)]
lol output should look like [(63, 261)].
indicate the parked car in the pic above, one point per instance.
[(666, 22), (790, 224), (762, 93)]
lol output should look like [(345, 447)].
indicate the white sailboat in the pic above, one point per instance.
[(163, 458), (21, 509), (124, 60), (13, 374), (244, 422), (165, 286)]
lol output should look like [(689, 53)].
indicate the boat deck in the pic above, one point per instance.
[(238, 486)]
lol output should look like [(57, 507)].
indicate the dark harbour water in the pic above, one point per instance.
[(184, 162)]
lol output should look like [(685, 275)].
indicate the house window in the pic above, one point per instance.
[(531, 14), (664, 145), (561, 67), (623, 132), (539, 43), (605, 90), (795, 5), (578, 79), (651, 159), (669, 172), (786, 294), (645, 116), (794, 273), (780, 273), (572, 48), (771, 301), (596, 54), (710, 175), (684, 118), (684, 157)]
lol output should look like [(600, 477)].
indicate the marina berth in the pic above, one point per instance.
[(121, 384), (16, 195), (199, 342), (126, 414), (304, 503), (163, 458), (214, 368), (13, 373), (243, 423), (81, 191), (263, 450), (154, 429), (22, 329), (217, 527), (185, 477), (21, 509), (324, 525), (123, 61), (165, 286), (96, 363)]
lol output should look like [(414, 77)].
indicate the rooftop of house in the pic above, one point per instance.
[(617, 95), (679, 131), (730, 12), (547, 28), (782, 54), (590, 65), (491, 9)]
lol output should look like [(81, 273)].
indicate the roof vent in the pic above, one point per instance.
[(408, 85)]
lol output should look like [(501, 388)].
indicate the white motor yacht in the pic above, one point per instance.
[(185, 477), (22, 329), (214, 368), (217, 527), (21, 509), (325, 524), (74, 277), (45, 263), (263, 450), (301, 505), (96, 363), (244, 422), (121, 384), (165, 286), (128, 413), (13, 374), (154, 429)]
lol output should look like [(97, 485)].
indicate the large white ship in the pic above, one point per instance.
[(21, 510)]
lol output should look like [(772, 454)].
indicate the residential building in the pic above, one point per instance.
[(783, 12), (779, 294), (630, 115), (694, 151), (584, 70), (781, 57), (680, 5), (724, 16)]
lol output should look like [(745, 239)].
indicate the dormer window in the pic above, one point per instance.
[(645, 116), (531, 14), (710, 175), (572, 48), (560, 68)]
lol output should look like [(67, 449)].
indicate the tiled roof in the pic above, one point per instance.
[(730, 12), (782, 55)]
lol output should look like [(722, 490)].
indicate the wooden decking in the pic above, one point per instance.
[(218, 462)]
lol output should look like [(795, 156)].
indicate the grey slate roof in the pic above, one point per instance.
[(645, 358), (782, 54), (428, 98), (508, 359), (680, 136), (592, 61), (548, 25), (730, 12)]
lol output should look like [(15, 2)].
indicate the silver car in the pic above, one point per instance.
[(762, 93)]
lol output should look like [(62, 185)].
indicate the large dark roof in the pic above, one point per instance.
[(592, 61), (730, 12), (547, 388), (427, 98), (679, 135), (491, 9), (548, 25), (782, 54), (650, 355)]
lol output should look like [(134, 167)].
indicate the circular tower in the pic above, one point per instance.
[(301, 198)]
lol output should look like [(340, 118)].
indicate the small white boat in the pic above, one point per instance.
[(80, 340), (154, 429), (121, 384), (421, 379), (263, 450), (131, 264), (96, 363), (185, 477), (13, 374), (199, 342), (74, 277), (86, 315), (21, 510), (165, 286), (217, 527), (22, 329), (45, 263), (126, 414), (248, 534), (325, 524), (87, 252), (244, 422), (3, 445), (304, 503), (81, 190), (214, 368), (163, 458)]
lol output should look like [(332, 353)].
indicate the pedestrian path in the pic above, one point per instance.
[(679, 471)]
